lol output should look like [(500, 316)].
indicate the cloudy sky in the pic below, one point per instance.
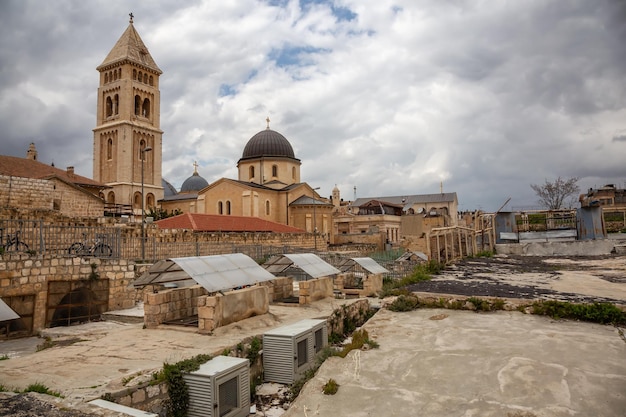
[(393, 97)]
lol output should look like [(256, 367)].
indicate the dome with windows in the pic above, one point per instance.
[(268, 143), (194, 183)]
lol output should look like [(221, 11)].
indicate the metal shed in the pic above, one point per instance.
[(301, 266), (289, 351), (362, 264), (214, 273)]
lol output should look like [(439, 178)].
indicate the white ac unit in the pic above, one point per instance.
[(220, 388), (289, 351)]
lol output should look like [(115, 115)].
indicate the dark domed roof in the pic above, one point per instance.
[(193, 183), (268, 143), (168, 189)]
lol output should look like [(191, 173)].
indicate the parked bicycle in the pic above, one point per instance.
[(98, 249), (13, 242)]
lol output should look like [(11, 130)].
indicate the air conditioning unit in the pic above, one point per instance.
[(289, 351), (220, 388)]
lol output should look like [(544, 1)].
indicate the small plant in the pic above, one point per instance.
[(178, 402), (404, 303), (41, 389), (360, 339), (255, 348), (603, 313), (296, 387), (226, 352), (331, 387), (4, 388), (4, 357)]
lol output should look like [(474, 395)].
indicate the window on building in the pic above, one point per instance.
[(267, 207), (274, 171), (151, 82), (228, 207), (106, 78), (109, 107), (111, 198), (145, 78), (220, 207), (137, 200), (116, 104), (145, 108), (293, 172), (110, 149), (134, 74), (139, 76), (137, 105), (251, 172), (150, 201)]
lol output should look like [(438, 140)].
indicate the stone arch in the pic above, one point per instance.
[(150, 201), (137, 105), (77, 306), (137, 200), (111, 197), (145, 108)]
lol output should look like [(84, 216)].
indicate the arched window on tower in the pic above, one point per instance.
[(145, 108), (150, 201), (228, 207), (293, 172), (111, 198), (137, 105), (115, 75), (134, 74), (251, 172), (137, 200), (274, 171), (106, 77), (139, 76), (145, 78), (220, 207), (116, 104), (267, 207), (110, 149), (151, 80), (109, 107), (119, 73)]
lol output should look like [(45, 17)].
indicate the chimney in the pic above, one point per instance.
[(70, 170)]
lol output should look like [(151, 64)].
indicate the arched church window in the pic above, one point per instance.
[(145, 108), (137, 105), (116, 104), (251, 172), (110, 148), (150, 200), (111, 197), (109, 107), (137, 200), (220, 207), (145, 78), (115, 75), (228, 207), (134, 74), (119, 73), (106, 78), (151, 80), (267, 207), (274, 171), (139, 76)]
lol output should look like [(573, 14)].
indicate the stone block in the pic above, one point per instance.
[(138, 396)]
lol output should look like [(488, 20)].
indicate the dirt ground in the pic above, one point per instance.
[(573, 279)]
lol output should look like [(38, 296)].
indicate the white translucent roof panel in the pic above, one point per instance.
[(6, 313), (312, 264), (370, 265), (223, 272)]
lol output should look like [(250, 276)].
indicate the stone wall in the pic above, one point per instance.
[(221, 309), (315, 289), (24, 275), (279, 288), (171, 304), (26, 192), (369, 285)]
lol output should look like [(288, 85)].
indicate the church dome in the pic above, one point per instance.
[(168, 189), (193, 183), (268, 143)]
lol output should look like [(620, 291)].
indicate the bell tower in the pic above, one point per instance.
[(127, 139)]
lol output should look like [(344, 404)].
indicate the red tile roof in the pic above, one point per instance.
[(224, 223), (29, 168)]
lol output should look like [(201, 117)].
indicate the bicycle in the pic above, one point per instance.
[(99, 249), (13, 242)]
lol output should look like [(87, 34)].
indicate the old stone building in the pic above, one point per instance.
[(127, 139)]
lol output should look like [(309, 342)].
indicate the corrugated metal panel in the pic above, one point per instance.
[(214, 272), (370, 265), (6, 313), (312, 264)]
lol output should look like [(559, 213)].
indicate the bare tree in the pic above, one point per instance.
[(552, 195)]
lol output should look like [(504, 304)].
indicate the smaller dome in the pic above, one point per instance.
[(193, 183), (168, 189)]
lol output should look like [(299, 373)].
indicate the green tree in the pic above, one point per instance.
[(552, 195)]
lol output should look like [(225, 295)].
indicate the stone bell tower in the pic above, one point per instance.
[(127, 138)]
